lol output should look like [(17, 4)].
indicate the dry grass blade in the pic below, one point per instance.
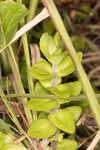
[(94, 142), (40, 17)]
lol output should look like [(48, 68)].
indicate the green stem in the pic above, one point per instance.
[(18, 82), (5, 63), (49, 4), (53, 97), (28, 63), (27, 56), (32, 8), (10, 110)]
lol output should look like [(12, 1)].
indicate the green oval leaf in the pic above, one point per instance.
[(66, 66), (40, 89), (42, 104), (4, 139), (58, 41), (13, 147), (48, 83), (50, 48), (47, 45), (42, 70), (67, 144), (66, 89), (63, 120), (75, 111), (41, 129)]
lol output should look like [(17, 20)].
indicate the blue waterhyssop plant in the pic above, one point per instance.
[(54, 121)]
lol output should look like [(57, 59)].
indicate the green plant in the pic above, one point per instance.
[(48, 116), (56, 120)]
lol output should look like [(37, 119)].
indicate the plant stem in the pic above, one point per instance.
[(27, 56), (18, 82), (49, 4), (10, 110), (53, 97), (5, 62), (28, 63), (32, 8)]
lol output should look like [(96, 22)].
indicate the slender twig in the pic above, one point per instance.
[(93, 72), (88, 90), (15, 120), (94, 142), (20, 139), (90, 44), (21, 114), (91, 59), (18, 81), (86, 139), (94, 10), (91, 54)]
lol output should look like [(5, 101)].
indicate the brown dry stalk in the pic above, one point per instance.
[(21, 114), (94, 142), (93, 72), (90, 59)]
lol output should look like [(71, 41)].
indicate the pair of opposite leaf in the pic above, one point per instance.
[(62, 91), (53, 50), (43, 72), (63, 119)]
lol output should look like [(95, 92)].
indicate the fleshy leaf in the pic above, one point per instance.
[(11, 14), (41, 129), (66, 89), (58, 138), (50, 50), (42, 70), (13, 147), (66, 66), (58, 42), (47, 45), (63, 120), (40, 89), (75, 111), (48, 83), (4, 139), (42, 104), (67, 144)]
